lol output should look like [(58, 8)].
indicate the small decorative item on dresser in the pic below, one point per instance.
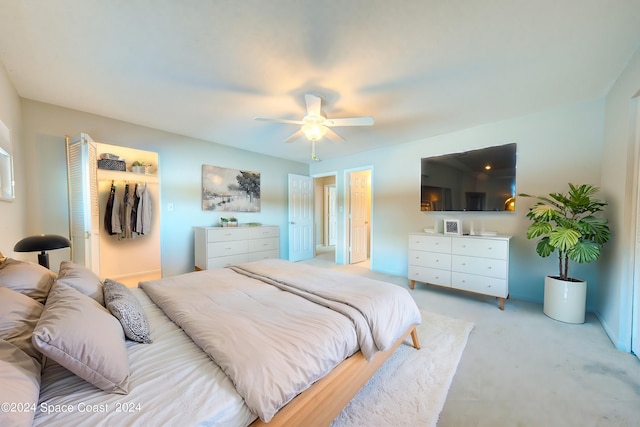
[(452, 226)]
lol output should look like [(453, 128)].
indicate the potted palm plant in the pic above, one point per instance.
[(568, 223)]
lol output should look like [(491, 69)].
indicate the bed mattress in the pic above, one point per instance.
[(172, 382)]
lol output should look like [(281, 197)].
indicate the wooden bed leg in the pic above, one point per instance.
[(413, 284), (414, 338)]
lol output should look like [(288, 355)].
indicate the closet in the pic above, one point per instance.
[(125, 257)]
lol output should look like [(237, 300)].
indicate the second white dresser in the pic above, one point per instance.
[(478, 264), (217, 247)]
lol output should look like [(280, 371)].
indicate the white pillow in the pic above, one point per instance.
[(81, 335)]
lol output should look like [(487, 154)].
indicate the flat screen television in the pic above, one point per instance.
[(476, 180)]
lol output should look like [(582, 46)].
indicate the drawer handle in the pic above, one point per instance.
[(464, 263), (489, 268)]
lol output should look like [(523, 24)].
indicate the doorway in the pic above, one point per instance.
[(359, 216), (326, 216)]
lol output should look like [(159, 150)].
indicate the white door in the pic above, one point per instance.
[(300, 217), (84, 214), (358, 215)]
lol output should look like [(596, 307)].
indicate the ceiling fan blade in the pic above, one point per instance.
[(351, 121), (332, 135), (313, 105), (291, 122), (294, 136)]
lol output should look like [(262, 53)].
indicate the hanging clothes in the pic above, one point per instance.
[(116, 228), (143, 223), (108, 214), (125, 210), (135, 200)]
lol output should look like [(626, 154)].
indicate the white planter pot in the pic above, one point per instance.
[(565, 301)]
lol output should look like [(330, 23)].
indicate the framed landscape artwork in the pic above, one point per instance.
[(230, 190)]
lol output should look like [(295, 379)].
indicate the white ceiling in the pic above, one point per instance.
[(206, 68)]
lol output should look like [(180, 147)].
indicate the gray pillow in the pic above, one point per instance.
[(81, 279), (126, 308), (20, 379), (19, 316), (78, 333), (28, 278)]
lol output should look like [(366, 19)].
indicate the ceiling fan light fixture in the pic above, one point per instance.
[(314, 131)]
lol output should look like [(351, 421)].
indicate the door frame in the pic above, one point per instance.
[(329, 203), (347, 203), (335, 175)]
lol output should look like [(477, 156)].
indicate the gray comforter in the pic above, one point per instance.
[(275, 327)]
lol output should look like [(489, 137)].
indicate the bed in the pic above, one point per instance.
[(207, 356)]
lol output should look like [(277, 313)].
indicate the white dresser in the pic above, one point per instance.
[(217, 247), (478, 264)]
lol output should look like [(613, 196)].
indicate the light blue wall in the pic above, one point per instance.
[(554, 147), (180, 163)]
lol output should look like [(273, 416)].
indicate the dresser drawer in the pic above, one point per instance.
[(430, 243), (225, 234), (232, 247), (267, 244), (481, 266), (257, 256), (430, 275), (430, 259), (263, 232), (486, 248), (225, 261), (480, 284)]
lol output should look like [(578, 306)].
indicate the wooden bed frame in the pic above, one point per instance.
[(321, 403)]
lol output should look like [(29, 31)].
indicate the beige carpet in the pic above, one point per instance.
[(411, 387)]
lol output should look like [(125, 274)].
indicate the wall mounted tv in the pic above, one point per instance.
[(477, 180)]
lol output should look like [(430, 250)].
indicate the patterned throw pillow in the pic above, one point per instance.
[(124, 306)]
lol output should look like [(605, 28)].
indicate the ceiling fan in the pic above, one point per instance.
[(315, 125)]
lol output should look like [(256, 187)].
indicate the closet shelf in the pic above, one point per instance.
[(106, 174)]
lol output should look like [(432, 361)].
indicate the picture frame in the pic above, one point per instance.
[(452, 226), (230, 190)]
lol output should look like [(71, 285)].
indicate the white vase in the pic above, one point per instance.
[(565, 300)]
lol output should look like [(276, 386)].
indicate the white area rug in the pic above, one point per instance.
[(411, 387)]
